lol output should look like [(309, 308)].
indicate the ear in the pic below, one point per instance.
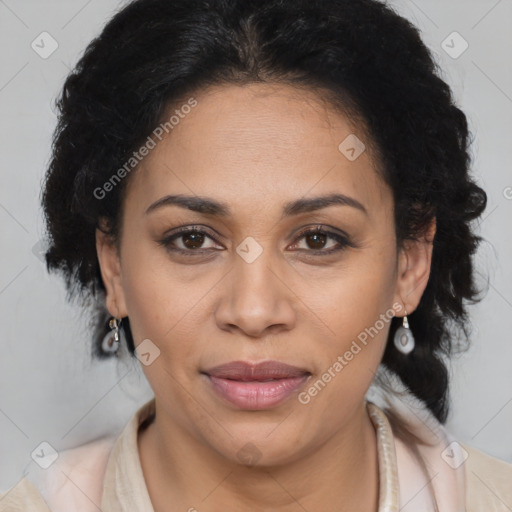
[(110, 267), (414, 261)]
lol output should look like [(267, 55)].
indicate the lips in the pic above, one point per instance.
[(255, 386), (267, 370)]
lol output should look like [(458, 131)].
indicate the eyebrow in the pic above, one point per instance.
[(209, 206)]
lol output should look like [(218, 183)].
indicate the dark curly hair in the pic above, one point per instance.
[(360, 55)]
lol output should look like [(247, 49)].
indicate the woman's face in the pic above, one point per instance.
[(251, 286)]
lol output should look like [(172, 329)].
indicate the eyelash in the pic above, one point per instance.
[(343, 241)]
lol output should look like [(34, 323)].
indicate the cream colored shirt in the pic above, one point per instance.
[(106, 474)]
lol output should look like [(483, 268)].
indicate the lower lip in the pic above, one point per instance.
[(256, 395)]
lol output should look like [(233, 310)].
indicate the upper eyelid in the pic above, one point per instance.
[(203, 230)]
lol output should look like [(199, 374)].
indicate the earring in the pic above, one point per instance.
[(404, 340), (110, 342)]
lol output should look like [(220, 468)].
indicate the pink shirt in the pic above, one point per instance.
[(106, 474)]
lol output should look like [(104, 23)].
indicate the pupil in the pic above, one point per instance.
[(318, 240), (195, 240), (191, 238)]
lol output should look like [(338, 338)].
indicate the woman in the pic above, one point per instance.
[(271, 200)]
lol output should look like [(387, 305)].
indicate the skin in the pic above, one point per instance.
[(255, 148)]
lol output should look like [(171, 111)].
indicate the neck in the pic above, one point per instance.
[(341, 474)]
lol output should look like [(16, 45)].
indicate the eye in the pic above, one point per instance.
[(187, 240), (316, 240)]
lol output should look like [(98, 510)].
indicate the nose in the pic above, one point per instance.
[(256, 298)]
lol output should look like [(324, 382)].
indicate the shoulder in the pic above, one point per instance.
[(461, 476), (73, 482), (23, 496), (488, 481)]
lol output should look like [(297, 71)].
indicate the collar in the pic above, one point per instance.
[(403, 486)]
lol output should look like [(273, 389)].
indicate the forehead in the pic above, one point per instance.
[(256, 146)]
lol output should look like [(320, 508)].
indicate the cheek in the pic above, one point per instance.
[(151, 297), (164, 305), (359, 311), (363, 290), (351, 358)]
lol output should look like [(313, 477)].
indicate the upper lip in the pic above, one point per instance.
[(246, 371)]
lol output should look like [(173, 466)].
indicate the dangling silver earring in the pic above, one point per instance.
[(110, 342), (404, 340)]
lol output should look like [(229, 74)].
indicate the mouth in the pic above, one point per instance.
[(255, 386)]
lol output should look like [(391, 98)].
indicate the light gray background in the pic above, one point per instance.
[(49, 389)]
